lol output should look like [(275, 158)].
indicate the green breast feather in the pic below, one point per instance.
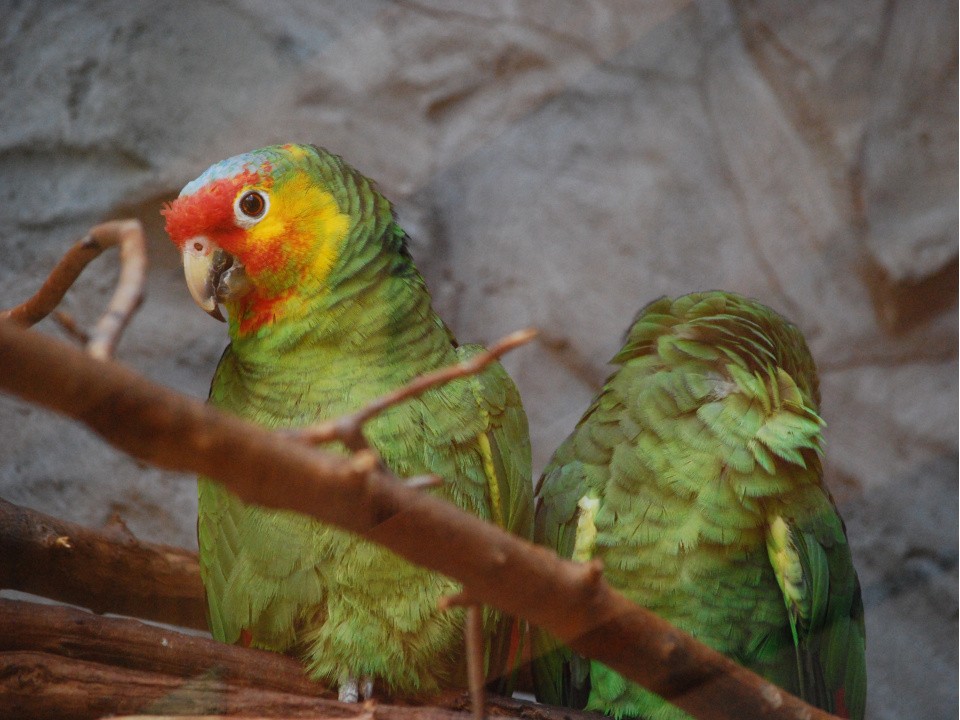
[(695, 476)]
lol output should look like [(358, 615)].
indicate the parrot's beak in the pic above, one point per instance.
[(213, 275)]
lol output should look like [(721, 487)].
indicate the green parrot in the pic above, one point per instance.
[(695, 477), (326, 313)]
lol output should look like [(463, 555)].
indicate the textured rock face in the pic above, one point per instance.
[(559, 164)]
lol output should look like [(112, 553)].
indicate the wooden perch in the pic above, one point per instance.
[(80, 635), (128, 234), (83, 567), (70, 664), (571, 600), (41, 685)]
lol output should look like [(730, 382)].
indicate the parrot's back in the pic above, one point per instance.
[(695, 477)]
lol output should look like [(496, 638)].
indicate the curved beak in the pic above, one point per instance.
[(199, 270), (213, 275)]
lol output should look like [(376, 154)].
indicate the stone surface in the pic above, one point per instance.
[(559, 165)]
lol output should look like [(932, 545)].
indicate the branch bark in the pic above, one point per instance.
[(82, 567), (162, 427), (41, 685), (55, 662), (131, 644), (127, 296)]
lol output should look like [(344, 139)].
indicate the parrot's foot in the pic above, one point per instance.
[(366, 687), (351, 691)]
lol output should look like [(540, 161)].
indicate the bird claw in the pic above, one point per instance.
[(351, 690)]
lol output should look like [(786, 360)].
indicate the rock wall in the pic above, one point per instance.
[(559, 164)]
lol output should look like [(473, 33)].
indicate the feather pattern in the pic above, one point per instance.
[(703, 450)]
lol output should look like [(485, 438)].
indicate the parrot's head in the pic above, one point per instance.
[(259, 230)]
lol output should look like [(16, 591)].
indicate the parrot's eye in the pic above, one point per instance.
[(252, 204)]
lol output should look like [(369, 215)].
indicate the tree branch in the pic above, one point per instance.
[(159, 426), (127, 296), (35, 685), (83, 566), (80, 635), (41, 685), (55, 662), (473, 639)]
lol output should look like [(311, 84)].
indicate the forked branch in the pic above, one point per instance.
[(128, 234)]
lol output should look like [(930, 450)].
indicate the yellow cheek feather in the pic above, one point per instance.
[(300, 237)]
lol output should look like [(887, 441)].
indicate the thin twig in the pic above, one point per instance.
[(127, 296), (60, 279), (347, 427), (423, 482), (498, 569), (129, 293), (70, 327), (460, 599), (473, 636)]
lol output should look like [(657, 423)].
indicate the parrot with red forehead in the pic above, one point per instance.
[(695, 477), (326, 312)]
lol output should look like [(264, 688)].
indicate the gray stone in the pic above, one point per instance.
[(909, 156), (903, 536)]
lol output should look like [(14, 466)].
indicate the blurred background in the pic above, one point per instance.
[(558, 164)]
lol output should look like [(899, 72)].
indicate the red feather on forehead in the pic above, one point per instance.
[(207, 211)]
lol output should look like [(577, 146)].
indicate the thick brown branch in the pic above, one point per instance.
[(77, 634), (42, 685), (36, 685), (128, 234), (348, 427), (46, 556), (41, 631), (167, 429)]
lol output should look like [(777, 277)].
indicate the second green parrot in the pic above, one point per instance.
[(327, 312), (695, 477)]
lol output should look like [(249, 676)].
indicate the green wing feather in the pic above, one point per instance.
[(811, 559), (705, 435), (560, 676), (499, 402), (508, 471)]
